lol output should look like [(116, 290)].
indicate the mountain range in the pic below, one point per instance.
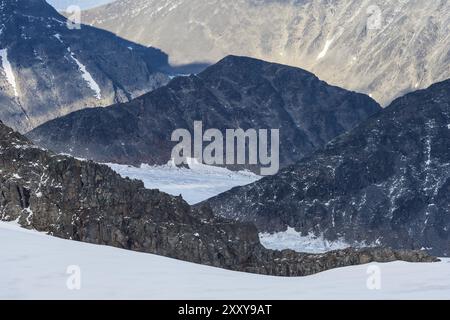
[(48, 70), (387, 182), (383, 48), (237, 92), (377, 180), (88, 202)]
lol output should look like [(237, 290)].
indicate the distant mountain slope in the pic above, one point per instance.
[(88, 202), (48, 70), (386, 182), (237, 92), (343, 42)]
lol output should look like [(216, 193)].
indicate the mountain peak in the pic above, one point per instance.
[(241, 64)]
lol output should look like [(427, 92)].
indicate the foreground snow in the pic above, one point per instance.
[(196, 184), (34, 266)]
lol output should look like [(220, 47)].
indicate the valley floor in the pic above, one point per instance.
[(34, 266)]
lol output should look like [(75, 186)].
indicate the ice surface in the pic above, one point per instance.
[(196, 184), (291, 239)]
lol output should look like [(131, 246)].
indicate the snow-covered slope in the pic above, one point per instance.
[(196, 184), (34, 266)]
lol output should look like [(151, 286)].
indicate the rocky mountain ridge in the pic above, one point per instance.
[(88, 202), (384, 183), (235, 93)]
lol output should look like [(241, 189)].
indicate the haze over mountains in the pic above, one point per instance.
[(387, 182), (344, 42), (237, 92), (48, 70)]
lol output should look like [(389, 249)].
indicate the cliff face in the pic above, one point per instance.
[(48, 70), (237, 92), (88, 202), (386, 182)]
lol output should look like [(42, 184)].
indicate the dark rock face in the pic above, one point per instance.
[(386, 182), (88, 202), (237, 92), (55, 70)]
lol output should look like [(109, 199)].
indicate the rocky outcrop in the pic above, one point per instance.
[(48, 70), (237, 92), (380, 47), (387, 182), (88, 202)]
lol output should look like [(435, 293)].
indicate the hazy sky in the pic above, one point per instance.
[(63, 4)]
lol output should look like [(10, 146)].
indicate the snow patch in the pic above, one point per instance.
[(171, 77), (58, 36), (87, 76), (30, 214), (324, 51), (293, 240), (6, 66)]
